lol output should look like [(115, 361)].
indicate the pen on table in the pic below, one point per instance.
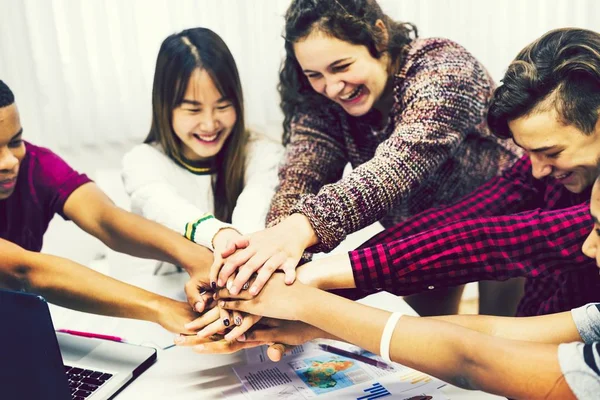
[(180, 334), (92, 335), (358, 357)]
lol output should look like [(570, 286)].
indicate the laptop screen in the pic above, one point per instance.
[(31, 364)]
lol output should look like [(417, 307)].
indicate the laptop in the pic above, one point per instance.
[(38, 363)]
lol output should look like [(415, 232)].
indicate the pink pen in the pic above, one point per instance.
[(92, 335)]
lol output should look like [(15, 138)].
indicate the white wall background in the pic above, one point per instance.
[(82, 69)]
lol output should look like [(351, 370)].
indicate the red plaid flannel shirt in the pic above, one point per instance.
[(514, 225)]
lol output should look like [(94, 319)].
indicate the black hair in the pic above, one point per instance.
[(6, 95)]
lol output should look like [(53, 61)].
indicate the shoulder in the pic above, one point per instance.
[(440, 68), (46, 166), (39, 155), (144, 155), (438, 56), (53, 178), (146, 151), (436, 50)]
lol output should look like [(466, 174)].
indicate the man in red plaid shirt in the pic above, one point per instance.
[(532, 220)]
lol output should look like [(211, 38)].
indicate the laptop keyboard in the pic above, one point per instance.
[(84, 382)]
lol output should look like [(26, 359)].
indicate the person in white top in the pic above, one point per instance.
[(200, 172)]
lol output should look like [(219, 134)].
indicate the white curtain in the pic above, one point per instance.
[(82, 69)]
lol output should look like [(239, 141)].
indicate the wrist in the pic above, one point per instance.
[(314, 333), (153, 309), (223, 236), (333, 272), (302, 227), (306, 301), (195, 259)]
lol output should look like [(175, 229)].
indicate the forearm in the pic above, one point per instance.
[(502, 195), (491, 248), (302, 228), (554, 328), (71, 285), (471, 360), (314, 157), (330, 313), (333, 272), (452, 353), (312, 332), (129, 233)]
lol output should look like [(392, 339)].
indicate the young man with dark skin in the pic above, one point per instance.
[(35, 184)]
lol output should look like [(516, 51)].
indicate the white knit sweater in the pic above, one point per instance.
[(163, 191)]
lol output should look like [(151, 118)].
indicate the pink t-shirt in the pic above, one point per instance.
[(44, 184)]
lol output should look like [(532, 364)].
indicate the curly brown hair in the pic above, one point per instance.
[(560, 70), (352, 21)]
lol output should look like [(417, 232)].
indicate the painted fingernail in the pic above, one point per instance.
[(226, 322), (233, 290), (238, 320), (246, 286), (229, 285), (253, 290), (221, 304), (242, 338), (213, 285), (199, 306), (179, 339)]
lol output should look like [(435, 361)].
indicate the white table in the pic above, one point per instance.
[(180, 373)]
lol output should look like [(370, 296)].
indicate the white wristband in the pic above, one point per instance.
[(386, 336)]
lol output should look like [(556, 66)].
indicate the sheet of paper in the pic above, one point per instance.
[(258, 355), (308, 372), (314, 373)]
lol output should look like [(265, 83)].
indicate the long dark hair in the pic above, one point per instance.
[(350, 20), (561, 69), (179, 55)]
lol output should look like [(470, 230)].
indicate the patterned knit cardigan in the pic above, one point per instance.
[(435, 148)]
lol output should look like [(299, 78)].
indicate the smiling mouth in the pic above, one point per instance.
[(353, 95), (7, 183), (207, 138), (563, 176)]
